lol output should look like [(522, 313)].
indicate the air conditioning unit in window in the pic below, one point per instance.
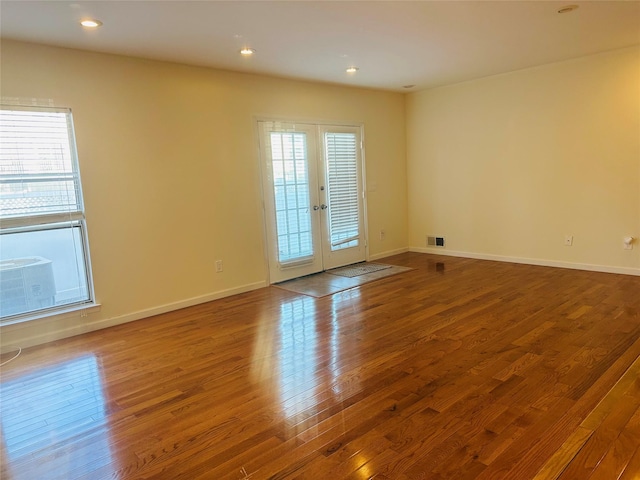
[(26, 284)]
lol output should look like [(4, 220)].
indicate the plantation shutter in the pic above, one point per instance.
[(343, 192), (39, 176)]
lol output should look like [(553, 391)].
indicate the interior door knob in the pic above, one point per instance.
[(316, 207), (323, 206)]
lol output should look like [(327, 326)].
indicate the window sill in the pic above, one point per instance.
[(80, 310)]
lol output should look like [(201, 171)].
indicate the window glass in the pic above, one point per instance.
[(43, 245)]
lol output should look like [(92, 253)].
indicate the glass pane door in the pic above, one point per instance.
[(289, 172), (344, 220), (312, 196)]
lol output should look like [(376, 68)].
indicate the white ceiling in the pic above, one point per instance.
[(394, 43)]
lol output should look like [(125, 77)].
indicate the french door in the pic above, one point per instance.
[(313, 197)]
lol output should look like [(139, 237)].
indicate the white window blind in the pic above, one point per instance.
[(38, 168), (342, 170)]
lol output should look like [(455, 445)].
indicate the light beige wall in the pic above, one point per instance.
[(169, 166), (508, 165)]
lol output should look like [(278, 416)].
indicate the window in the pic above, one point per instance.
[(44, 261)]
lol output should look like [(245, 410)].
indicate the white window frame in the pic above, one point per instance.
[(71, 219)]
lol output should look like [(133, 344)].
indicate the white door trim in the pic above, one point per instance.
[(264, 185)]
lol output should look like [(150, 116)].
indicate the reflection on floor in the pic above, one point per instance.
[(57, 406), (323, 284), (459, 369)]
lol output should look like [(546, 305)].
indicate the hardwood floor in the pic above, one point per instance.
[(457, 369)]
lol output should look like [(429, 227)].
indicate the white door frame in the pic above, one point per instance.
[(266, 185)]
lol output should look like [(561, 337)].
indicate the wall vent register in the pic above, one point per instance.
[(433, 241)]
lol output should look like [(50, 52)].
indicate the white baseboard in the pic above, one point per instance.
[(388, 253), (37, 332), (529, 261), (57, 327)]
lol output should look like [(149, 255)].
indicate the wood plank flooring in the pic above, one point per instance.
[(457, 369)]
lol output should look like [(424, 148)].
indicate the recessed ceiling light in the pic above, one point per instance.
[(91, 23), (247, 51), (568, 8), (352, 69)]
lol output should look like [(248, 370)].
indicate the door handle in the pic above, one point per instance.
[(316, 207), (323, 206)]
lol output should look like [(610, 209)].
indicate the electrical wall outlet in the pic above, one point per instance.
[(218, 266), (627, 243), (568, 240)]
